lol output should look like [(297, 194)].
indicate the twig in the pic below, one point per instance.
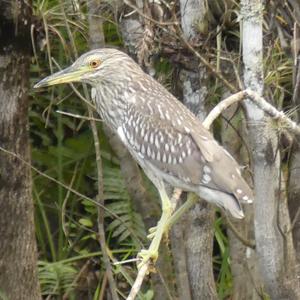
[(127, 261), (78, 116), (138, 281), (64, 205), (100, 195), (103, 285), (100, 199)]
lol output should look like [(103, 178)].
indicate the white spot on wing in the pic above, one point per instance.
[(187, 130), (93, 93), (206, 169), (206, 178), (239, 191), (248, 252), (121, 134), (158, 156), (157, 142), (246, 198), (164, 158)]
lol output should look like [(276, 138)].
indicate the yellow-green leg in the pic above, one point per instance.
[(191, 200), (152, 252)]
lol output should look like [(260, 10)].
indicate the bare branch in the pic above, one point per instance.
[(138, 281), (260, 102), (273, 112), (78, 116), (220, 107)]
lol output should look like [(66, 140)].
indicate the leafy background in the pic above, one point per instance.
[(70, 260)]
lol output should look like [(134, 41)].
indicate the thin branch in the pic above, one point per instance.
[(100, 200), (138, 281), (78, 116), (220, 107), (273, 112)]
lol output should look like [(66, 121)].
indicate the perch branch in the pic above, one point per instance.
[(260, 102), (138, 281)]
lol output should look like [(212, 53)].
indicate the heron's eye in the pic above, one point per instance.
[(95, 63)]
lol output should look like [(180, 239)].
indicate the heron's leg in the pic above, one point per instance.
[(152, 252), (191, 200)]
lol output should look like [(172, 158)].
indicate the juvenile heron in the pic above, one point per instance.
[(164, 137)]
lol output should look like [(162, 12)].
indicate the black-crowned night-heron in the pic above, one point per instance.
[(166, 139)]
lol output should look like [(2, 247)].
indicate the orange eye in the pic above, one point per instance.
[(95, 63)]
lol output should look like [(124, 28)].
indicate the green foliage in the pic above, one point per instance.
[(63, 148), (222, 261), (56, 278)]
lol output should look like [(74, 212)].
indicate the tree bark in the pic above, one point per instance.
[(276, 257), (197, 230), (243, 259), (294, 164), (18, 255)]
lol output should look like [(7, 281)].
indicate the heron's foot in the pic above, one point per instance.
[(152, 231), (147, 255)]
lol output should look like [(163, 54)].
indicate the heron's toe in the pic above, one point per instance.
[(147, 255)]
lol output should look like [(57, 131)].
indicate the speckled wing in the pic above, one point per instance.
[(172, 139), (170, 150)]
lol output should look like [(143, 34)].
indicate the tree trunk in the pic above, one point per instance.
[(294, 164), (243, 258), (18, 255), (276, 258), (197, 230)]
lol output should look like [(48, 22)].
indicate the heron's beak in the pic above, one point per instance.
[(69, 74)]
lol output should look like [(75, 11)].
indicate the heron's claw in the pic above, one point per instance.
[(152, 231), (147, 255)]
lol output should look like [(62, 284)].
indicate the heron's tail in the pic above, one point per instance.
[(224, 200)]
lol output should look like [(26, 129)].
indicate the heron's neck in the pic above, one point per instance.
[(111, 103)]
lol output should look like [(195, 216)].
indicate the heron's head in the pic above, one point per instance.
[(93, 67)]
